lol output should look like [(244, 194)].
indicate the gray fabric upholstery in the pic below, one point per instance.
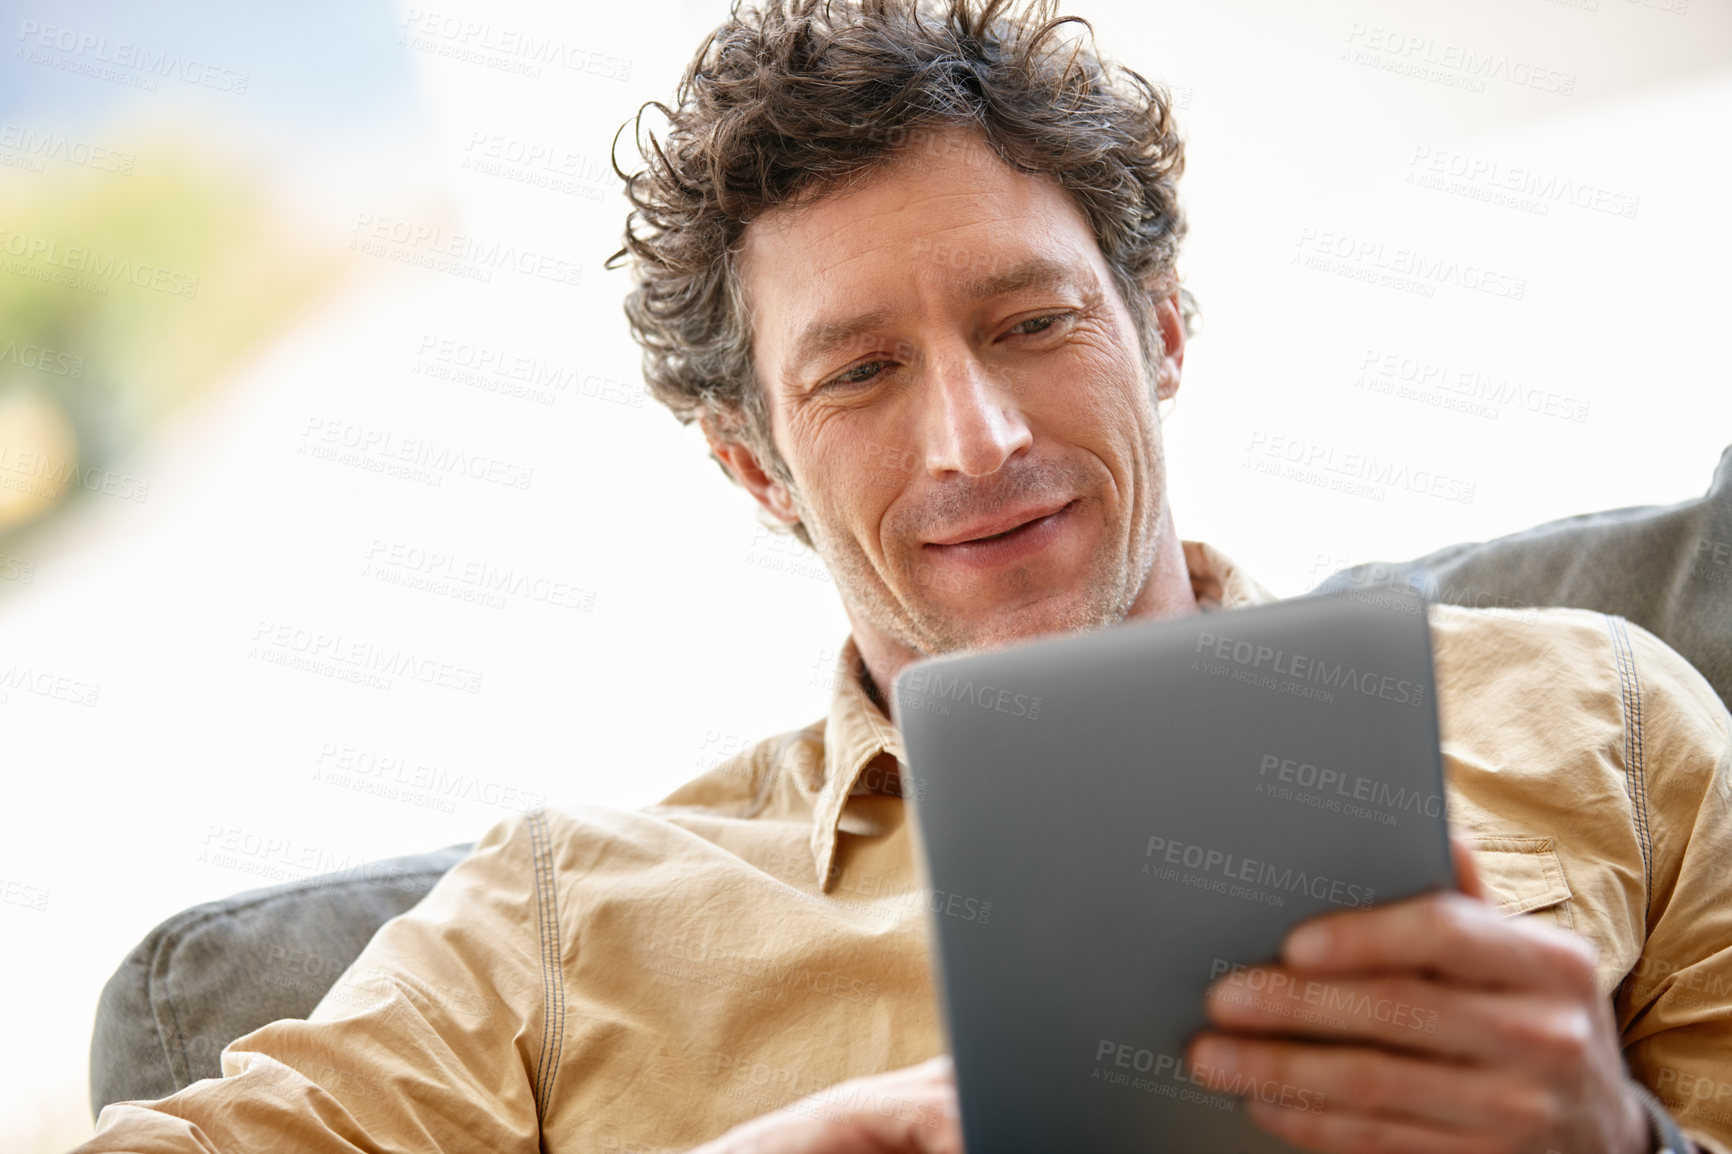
[(206, 976), (1668, 568)]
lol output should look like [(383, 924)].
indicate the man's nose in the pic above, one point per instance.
[(974, 418)]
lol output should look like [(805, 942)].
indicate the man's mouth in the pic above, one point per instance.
[(1011, 537), (1002, 525)]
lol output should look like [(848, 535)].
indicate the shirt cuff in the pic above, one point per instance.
[(1662, 1128)]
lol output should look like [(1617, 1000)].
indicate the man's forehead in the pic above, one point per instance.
[(935, 173), (952, 215)]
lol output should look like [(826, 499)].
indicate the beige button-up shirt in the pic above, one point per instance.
[(592, 980)]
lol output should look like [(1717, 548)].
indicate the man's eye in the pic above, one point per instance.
[(857, 375), (1036, 325)]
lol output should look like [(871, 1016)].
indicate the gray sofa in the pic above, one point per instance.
[(219, 970), (209, 974), (1668, 568)]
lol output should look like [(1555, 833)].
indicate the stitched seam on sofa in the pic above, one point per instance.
[(1630, 690), (552, 975), (165, 948)]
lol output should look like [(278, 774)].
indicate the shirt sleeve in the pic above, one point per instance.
[(1676, 1002), (438, 1037)]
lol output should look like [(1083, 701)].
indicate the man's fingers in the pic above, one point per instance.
[(1397, 1012), (1450, 935), (941, 1066), (932, 1123), (942, 1134), (1372, 1082), (1335, 1130), (910, 1109)]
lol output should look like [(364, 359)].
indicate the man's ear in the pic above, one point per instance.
[(1170, 321), (748, 471)]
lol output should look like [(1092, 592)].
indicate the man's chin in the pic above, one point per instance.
[(982, 629)]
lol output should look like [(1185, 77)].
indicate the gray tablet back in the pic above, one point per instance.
[(1109, 820)]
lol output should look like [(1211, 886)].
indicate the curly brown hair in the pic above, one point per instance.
[(787, 98)]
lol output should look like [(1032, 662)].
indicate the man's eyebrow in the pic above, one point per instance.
[(1036, 273), (823, 336)]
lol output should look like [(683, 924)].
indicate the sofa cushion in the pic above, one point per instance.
[(222, 969), (1668, 568)]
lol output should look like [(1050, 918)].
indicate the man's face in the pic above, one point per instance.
[(945, 358)]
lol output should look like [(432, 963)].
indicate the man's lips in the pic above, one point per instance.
[(1001, 524), (1006, 539)]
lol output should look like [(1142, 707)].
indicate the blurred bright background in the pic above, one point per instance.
[(306, 345)]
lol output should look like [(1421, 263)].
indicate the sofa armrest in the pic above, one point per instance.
[(222, 969)]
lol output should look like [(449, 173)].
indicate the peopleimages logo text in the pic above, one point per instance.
[(1236, 868), (1307, 668), (933, 683), (1366, 789)]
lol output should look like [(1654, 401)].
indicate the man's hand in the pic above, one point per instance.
[(1439, 1027), (906, 1111)]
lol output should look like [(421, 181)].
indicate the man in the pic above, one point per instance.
[(915, 277)]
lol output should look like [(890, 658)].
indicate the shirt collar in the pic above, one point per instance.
[(858, 732)]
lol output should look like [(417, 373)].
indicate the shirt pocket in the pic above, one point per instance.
[(1524, 875)]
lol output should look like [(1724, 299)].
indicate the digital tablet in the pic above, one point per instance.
[(1111, 820)]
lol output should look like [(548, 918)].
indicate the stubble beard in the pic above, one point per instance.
[(1112, 586)]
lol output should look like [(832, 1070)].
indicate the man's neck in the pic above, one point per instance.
[(1166, 592)]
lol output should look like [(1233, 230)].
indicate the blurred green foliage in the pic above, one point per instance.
[(123, 295)]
